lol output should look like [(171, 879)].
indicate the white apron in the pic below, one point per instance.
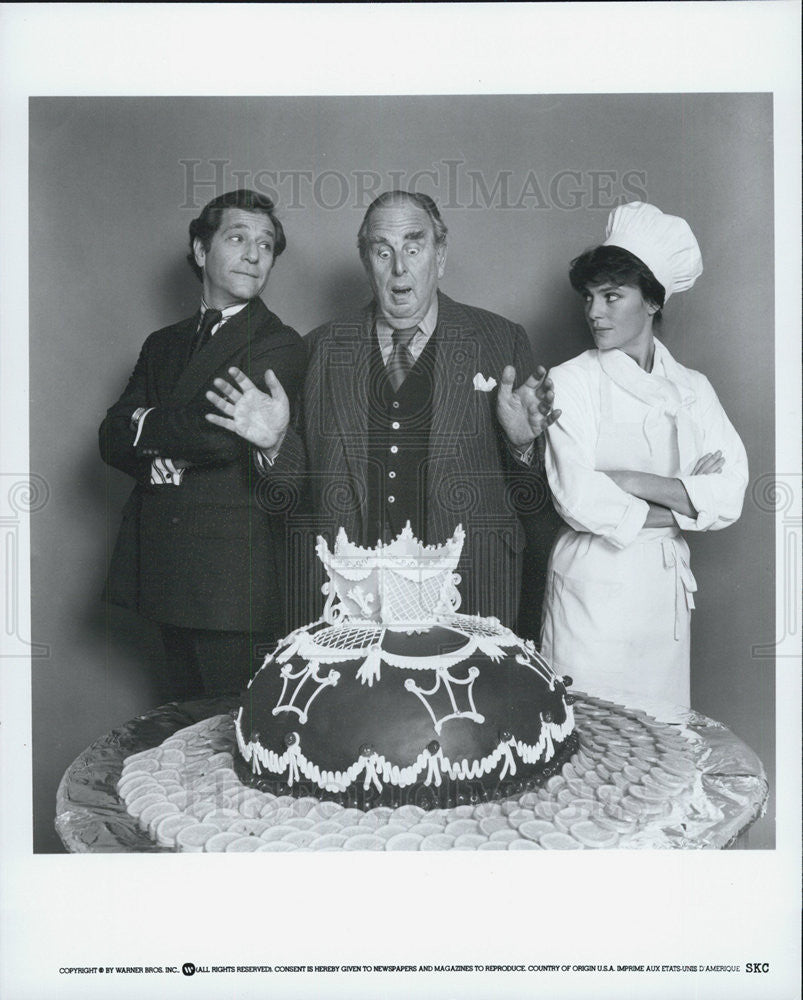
[(617, 611)]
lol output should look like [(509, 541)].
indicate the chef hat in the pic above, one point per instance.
[(665, 243)]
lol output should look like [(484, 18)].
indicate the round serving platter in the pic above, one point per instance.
[(166, 782)]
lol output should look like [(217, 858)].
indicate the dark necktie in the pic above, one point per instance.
[(401, 359), (209, 320)]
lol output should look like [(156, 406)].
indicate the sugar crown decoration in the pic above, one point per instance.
[(402, 583)]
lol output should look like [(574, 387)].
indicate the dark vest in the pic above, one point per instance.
[(398, 446)]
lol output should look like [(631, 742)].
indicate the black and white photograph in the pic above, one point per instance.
[(401, 475)]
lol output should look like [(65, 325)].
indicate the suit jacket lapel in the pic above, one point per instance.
[(228, 340), (457, 362), (347, 376), (454, 414), (170, 358)]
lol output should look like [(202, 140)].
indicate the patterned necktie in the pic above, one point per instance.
[(401, 359), (209, 321)]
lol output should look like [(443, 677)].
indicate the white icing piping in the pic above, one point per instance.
[(371, 776), (337, 636), (491, 643), (477, 625), (267, 661), (434, 766), (532, 658), (443, 675), (369, 671), (362, 599), (293, 755), (381, 772), (302, 676), (474, 643), (307, 648), (510, 761)]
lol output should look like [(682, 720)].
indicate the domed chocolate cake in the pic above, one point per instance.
[(394, 698)]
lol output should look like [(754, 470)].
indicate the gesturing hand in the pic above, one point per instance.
[(526, 412), (259, 417), (708, 464)]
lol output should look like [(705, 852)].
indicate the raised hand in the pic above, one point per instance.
[(259, 417), (526, 412), (713, 462)]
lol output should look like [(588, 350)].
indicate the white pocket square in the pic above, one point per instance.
[(483, 384)]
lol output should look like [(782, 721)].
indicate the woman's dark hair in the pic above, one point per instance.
[(208, 222), (616, 266)]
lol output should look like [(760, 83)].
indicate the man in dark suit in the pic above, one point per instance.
[(403, 417), (196, 552)]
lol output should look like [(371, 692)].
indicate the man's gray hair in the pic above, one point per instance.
[(423, 201)]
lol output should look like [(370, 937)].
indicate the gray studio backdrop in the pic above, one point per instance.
[(525, 183)]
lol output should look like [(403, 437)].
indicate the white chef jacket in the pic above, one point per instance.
[(619, 596)]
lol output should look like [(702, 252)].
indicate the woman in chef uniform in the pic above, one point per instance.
[(641, 453)]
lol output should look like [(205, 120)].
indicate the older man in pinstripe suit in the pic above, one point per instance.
[(411, 412)]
